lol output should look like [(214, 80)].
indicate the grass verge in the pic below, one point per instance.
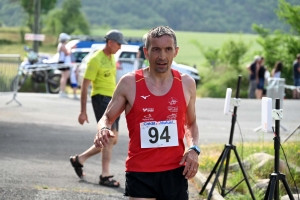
[(211, 153)]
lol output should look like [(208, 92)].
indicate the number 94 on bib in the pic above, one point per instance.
[(159, 134)]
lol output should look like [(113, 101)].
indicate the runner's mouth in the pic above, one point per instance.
[(161, 63)]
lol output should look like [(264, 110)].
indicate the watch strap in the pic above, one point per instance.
[(196, 149)]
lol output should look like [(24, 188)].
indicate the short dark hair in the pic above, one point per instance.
[(298, 56), (278, 66), (159, 31)]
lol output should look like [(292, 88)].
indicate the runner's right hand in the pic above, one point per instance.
[(102, 138), (82, 118)]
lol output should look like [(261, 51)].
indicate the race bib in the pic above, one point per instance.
[(159, 134)]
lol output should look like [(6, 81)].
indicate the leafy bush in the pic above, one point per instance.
[(228, 68), (4, 41)]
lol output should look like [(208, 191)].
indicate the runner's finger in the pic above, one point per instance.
[(192, 172), (186, 169), (105, 139)]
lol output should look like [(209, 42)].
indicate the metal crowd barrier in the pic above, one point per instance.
[(9, 68), (276, 89), (30, 68)]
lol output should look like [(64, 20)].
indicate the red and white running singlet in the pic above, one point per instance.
[(156, 127)]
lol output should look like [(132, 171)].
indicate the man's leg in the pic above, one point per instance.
[(252, 87), (78, 160), (296, 93), (107, 152), (87, 154), (259, 93), (100, 104)]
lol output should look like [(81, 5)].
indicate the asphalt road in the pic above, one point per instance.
[(37, 138)]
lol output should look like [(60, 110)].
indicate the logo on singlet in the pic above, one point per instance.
[(172, 101), (172, 116), (148, 109), (173, 109), (147, 117), (145, 97)]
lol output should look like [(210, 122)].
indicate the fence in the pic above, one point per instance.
[(276, 89), (9, 69), (45, 72)]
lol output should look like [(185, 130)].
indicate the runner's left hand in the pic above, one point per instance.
[(191, 166)]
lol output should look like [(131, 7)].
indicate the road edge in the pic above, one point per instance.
[(200, 180)]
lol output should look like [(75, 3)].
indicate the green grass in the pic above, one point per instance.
[(211, 153)]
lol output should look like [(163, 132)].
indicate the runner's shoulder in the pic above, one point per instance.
[(127, 80), (187, 80)]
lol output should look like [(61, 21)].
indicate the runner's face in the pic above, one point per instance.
[(160, 53)]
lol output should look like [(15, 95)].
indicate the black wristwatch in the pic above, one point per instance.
[(196, 148)]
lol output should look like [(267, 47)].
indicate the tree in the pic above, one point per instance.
[(279, 46), (232, 53), (69, 19), (28, 6), (210, 54), (290, 14)]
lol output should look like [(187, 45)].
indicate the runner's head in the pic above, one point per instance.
[(158, 32), (161, 48)]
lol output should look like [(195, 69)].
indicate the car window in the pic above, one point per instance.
[(78, 56), (125, 54)]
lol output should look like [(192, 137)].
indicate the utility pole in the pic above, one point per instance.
[(37, 9)]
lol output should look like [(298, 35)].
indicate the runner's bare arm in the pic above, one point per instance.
[(192, 133), (115, 107)]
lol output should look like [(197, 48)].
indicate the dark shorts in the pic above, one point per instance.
[(297, 82), (167, 185), (100, 104), (74, 85), (260, 84), (63, 68)]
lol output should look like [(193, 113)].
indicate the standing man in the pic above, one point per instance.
[(140, 56), (160, 111), (260, 78), (252, 77), (296, 70), (101, 71)]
